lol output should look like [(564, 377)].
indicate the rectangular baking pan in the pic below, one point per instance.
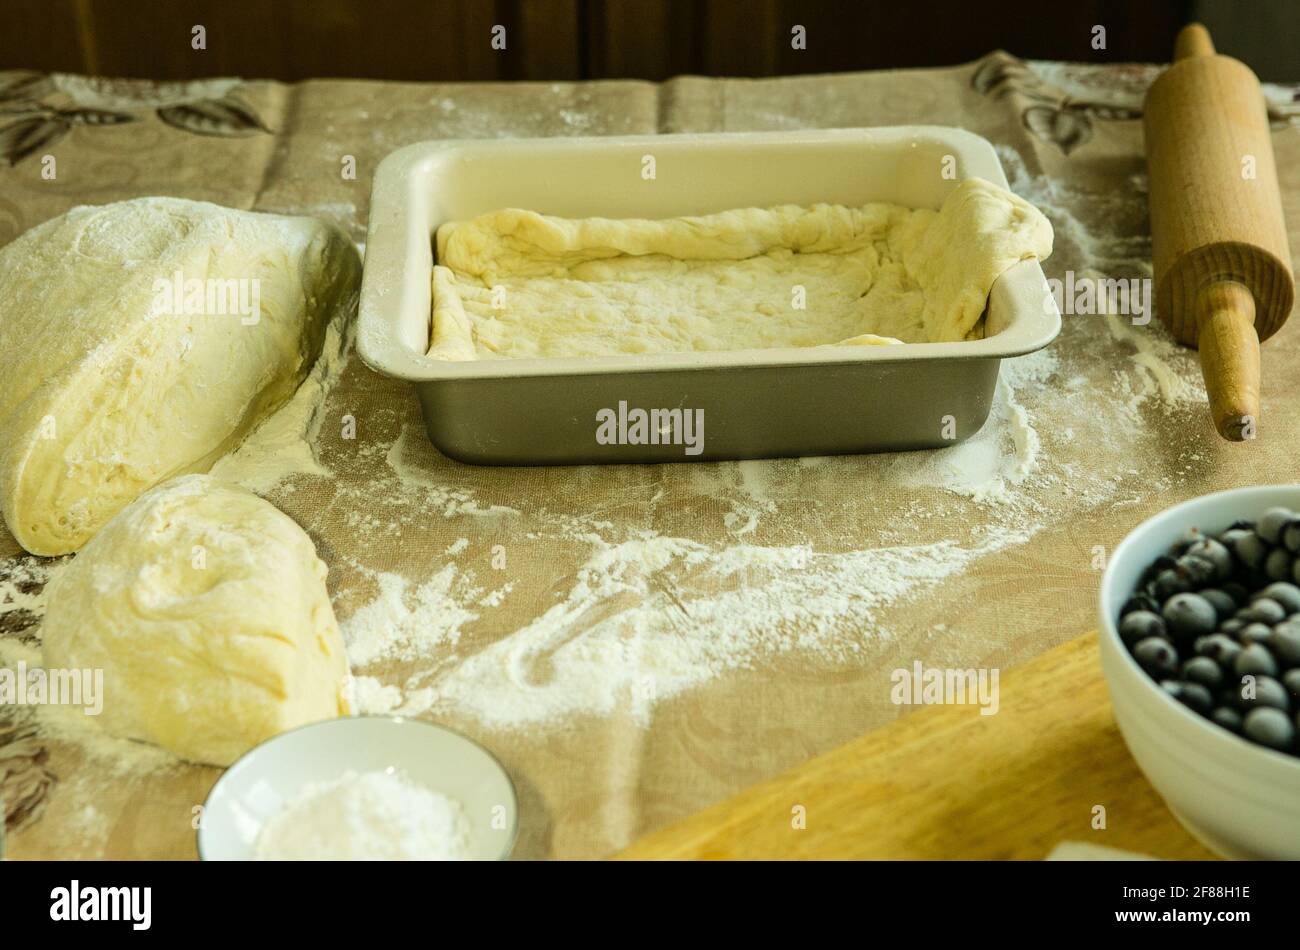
[(756, 403)]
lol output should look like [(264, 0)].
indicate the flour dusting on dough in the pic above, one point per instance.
[(285, 443)]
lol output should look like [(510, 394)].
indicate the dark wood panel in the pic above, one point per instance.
[(627, 39), (298, 39), (560, 39), (550, 39), (42, 36), (745, 37), (754, 37), (152, 38)]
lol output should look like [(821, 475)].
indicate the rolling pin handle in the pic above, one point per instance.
[(1229, 345), (1193, 40)]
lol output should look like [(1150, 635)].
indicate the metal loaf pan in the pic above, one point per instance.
[(756, 403)]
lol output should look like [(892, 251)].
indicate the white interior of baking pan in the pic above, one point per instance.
[(420, 187)]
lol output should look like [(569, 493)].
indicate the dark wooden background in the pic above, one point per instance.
[(560, 39)]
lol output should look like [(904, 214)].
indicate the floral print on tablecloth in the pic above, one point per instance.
[(1066, 100), (38, 109)]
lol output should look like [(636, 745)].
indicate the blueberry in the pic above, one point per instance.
[(1192, 695), (1285, 642), (1213, 552), (1272, 522), (1196, 698), (1230, 697), (1250, 550), (1141, 600), (1223, 605), (1227, 717), (1269, 727), (1255, 633), (1218, 647), (1255, 660), (1291, 537), (1157, 656), (1291, 680), (1277, 566), (1169, 582), (1264, 691), (1139, 625), (1288, 595), (1239, 530), (1232, 626), (1161, 564), (1236, 591), (1192, 536), (1263, 610), (1199, 571), (1189, 615), (1203, 670)]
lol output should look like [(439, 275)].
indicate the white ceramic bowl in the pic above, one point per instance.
[(267, 777), (1240, 799)]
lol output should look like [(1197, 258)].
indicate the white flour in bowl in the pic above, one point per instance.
[(367, 816)]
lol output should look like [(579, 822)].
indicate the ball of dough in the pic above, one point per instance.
[(206, 608), (144, 339)]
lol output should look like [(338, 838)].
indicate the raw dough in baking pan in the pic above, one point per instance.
[(517, 284)]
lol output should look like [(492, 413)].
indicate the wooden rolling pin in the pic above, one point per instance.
[(1222, 264)]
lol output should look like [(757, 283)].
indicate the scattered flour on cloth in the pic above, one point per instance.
[(367, 816), (23, 580), (433, 495), (991, 464), (1158, 368), (651, 617), (647, 616), (406, 618)]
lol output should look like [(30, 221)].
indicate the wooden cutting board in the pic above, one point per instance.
[(944, 782)]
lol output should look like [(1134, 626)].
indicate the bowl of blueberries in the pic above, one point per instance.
[(1200, 645)]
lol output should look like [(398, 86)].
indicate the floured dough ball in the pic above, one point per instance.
[(145, 339), (206, 608)]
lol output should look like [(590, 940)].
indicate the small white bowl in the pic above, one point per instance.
[(272, 774), (1240, 799)]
